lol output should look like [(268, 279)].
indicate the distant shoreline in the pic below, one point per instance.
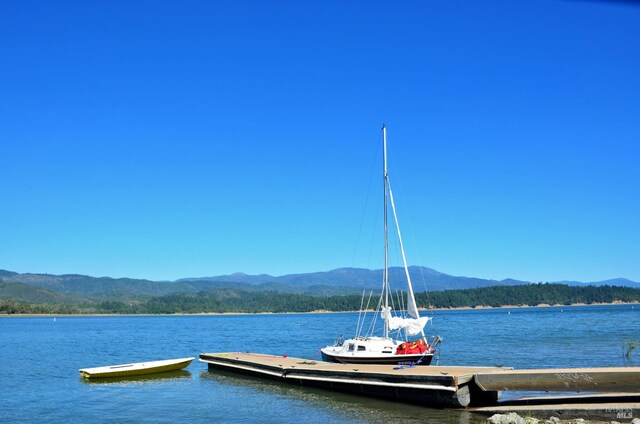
[(540, 305), (462, 308)]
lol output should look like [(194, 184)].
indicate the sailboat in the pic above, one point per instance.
[(386, 349)]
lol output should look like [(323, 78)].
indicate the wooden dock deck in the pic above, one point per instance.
[(438, 386), (609, 380)]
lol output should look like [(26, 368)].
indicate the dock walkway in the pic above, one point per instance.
[(438, 386)]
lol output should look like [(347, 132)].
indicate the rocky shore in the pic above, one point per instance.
[(513, 418)]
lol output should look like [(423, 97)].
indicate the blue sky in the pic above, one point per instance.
[(164, 140)]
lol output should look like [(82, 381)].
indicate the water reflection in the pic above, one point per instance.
[(141, 379), (351, 407)]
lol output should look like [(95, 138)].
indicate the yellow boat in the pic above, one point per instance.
[(140, 368)]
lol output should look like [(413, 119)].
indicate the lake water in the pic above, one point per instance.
[(40, 358)]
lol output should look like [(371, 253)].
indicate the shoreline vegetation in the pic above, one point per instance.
[(427, 310), (231, 301)]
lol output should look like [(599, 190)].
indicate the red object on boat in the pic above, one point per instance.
[(412, 348)]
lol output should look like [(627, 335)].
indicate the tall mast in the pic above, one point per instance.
[(386, 228)]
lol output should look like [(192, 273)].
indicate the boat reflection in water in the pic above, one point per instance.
[(322, 405), (142, 379)]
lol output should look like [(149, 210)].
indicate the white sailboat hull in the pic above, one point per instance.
[(418, 359), (373, 350)]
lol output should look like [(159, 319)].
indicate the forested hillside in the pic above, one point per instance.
[(234, 300)]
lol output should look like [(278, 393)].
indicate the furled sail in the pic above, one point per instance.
[(413, 326)]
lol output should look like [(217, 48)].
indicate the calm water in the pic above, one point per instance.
[(40, 358)]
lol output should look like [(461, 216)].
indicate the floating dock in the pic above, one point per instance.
[(435, 386)]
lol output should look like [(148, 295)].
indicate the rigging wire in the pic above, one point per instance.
[(364, 211), (410, 229), (365, 313), (360, 314), (372, 327)]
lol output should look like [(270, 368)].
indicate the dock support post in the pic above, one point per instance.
[(481, 397)]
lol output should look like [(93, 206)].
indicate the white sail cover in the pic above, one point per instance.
[(413, 326)]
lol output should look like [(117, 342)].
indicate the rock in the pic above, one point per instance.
[(552, 420), (635, 421), (511, 418)]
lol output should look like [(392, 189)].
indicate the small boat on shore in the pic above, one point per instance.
[(139, 368)]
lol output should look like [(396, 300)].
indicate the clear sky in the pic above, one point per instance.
[(161, 140)]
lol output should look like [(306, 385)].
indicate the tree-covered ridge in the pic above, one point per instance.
[(234, 300), (529, 295)]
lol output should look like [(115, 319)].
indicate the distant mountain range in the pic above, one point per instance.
[(621, 282), (423, 279), (357, 279), (74, 288)]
